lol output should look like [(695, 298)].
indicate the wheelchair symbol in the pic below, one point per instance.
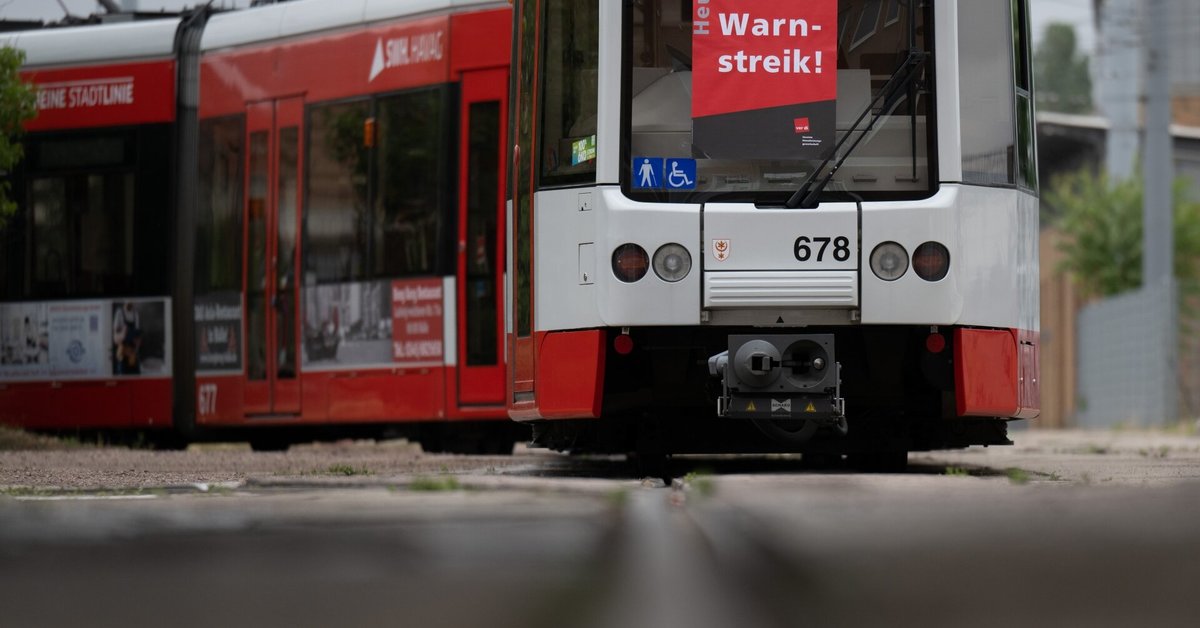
[(682, 175)]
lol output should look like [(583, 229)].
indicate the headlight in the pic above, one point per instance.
[(630, 262), (889, 261), (672, 262)]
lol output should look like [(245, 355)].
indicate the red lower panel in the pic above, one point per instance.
[(985, 372), (88, 404), (220, 400), (414, 396), (570, 374), (1029, 372)]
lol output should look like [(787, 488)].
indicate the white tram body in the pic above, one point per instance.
[(943, 154)]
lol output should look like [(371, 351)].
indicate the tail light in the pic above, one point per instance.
[(931, 261), (630, 262)]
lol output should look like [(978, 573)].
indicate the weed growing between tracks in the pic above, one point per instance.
[(427, 484), (347, 470), (1017, 476), (13, 439)]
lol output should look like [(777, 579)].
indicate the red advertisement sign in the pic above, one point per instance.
[(417, 321), (328, 66), (764, 78), (106, 95)]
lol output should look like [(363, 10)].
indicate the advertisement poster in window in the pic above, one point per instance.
[(219, 332), (417, 311), (84, 339), (764, 78), (140, 335), (347, 325)]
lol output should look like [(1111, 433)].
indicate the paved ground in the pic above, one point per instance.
[(1069, 528)]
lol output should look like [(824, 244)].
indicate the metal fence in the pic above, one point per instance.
[(1130, 360)]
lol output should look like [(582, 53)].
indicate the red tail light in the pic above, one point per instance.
[(931, 261), (630, 262)]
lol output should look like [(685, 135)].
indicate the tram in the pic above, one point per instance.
[(772, 226), (270, 224)]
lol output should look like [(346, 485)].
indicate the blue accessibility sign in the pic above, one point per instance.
[(679, 174), (647, 172), (657, 173)]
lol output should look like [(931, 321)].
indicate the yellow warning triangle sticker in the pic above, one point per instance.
[(750, 407), (810, 408)]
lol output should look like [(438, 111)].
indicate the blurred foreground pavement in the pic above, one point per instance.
[(1066, 528)]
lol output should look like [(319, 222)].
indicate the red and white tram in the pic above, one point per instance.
[(769, 225), (314, 241)]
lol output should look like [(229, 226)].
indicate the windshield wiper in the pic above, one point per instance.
[(806, 196)]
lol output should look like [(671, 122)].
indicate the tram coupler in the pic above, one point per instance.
[(782, 376)]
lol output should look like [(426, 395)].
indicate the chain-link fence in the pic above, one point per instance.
[(1138, 356)]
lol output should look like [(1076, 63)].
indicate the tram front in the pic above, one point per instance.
[(763, 225)]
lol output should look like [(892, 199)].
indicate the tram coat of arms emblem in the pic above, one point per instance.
[(721, 250)]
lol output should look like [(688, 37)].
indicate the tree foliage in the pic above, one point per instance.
[(1061, 72), (1103, 224), (17, 105)]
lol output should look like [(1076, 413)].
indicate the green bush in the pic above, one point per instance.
[(1103, 225)]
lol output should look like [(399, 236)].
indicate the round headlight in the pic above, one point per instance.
[(931, 261), (630, 262), (672, 262), (889, 261)]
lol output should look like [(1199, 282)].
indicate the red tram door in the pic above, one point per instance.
[(273, 189), (480, 276)]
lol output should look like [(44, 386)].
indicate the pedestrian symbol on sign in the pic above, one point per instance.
[(647, 172)]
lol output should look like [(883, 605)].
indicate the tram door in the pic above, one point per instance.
[(480, 274), (272, 256)]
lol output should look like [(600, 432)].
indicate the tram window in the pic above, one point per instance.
[(891, 160), (986, 93), (92, 216), (522, 186), (219, 227), (336, 216), (570, 65), (1026, 144), (868, 22), (411, 183)]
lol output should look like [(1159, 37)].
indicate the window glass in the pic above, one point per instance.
[(256, 257), (93, 209), (483, 166), (219, 221), (986, 92), (1026, 141), (410, 199), (522, 194), (888, 160), (285, 274), (337, 222), (570, 58), (868, 22)]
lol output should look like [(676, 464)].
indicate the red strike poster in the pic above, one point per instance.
[(764, 78)]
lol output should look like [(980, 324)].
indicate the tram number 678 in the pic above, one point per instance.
[(803, 248)]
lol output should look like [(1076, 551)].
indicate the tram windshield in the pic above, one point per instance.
[(755, 101)]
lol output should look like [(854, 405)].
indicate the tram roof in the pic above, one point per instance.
[(290, 19), (92, 44)]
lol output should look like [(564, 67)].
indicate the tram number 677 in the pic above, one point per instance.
[(803, 248), (206, 397)]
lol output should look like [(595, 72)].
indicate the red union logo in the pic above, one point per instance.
[(802, 125)]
